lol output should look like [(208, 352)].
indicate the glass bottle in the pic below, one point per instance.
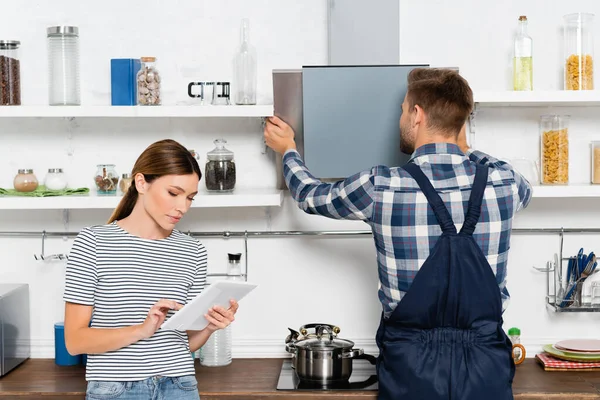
[(220, 168), (234, 269), (554, 141), (514, 335), (523, 58), (148, 83), (245, 68), (63, 65), (579, 51), (10, 73)]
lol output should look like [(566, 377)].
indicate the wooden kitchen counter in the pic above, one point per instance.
[(253, 379)]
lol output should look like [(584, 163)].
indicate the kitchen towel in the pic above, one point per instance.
[(554, 364), (42, 191)]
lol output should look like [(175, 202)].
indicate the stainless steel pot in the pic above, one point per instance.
[(322, 357)]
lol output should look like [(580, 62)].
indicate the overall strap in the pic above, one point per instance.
[(474, 208), (434, 200)]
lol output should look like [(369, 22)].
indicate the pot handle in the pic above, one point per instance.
[(354, 353), (368, 357), (290, 348)]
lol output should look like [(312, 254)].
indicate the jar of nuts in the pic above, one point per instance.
[(106, 179), (148, 83), (554, 131), (579, 51)]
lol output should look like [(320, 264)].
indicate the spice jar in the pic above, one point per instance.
[(194, 154), (554, 149), (55, 179), (579, 51), (220, 168), (10, 73), (25, 181), (125, 183), (595, 162), (106, 179), (148, 83)]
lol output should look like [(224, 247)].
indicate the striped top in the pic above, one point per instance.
[(122, 276)]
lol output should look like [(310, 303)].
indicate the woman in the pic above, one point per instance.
[(127, 276)]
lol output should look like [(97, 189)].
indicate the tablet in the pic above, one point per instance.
[(191, 316)]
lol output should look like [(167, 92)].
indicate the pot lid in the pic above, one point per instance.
[(324, 344)]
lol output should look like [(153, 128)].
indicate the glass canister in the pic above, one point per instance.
[(245, 68), (55, 179), (220, 168), (148, 83), (106, 179), (10, 73), (595, 173), (63, 65), (579, 51), (125, 183), (25, 181), (554, 132)]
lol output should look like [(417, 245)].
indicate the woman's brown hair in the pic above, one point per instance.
[(165, 157)]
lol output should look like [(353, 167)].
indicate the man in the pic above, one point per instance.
[(442, 227)]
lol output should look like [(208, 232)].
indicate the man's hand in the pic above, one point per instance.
[(461, 140), (279, 136)]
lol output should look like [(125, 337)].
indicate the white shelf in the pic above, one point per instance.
[(135, 111), (239, 198), (565, 191), (564, 98)]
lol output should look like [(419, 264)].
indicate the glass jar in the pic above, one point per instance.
[(106, 179), (579, 51), (125, 183), (518, 350), (148, 83), (55, 179), (10, 73), (220, 168), (25, 181), (63, 65), (595, 173), (194, 154), (554, 132)]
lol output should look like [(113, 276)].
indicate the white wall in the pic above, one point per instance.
[(301, 280)]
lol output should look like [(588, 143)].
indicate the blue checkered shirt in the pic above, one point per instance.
[(404, 227)]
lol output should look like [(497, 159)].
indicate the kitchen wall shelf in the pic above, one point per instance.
[(239, 198), (556, 98), (573, 191), (136, 111)]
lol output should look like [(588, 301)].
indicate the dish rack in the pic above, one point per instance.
[(558, 296)]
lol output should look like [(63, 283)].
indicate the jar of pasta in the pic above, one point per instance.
[(579, 51), (554, 131)]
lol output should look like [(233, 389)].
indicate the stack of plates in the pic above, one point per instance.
[(572, 354)]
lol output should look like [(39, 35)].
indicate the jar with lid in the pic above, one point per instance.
[(595, 173), (106, 179), (25, 181), (220, 168), (55, 179), (194, 154), (579, 51), (10, 73), (554, 139), (63, 65), (518, 350), (148, 83), (125, 183)]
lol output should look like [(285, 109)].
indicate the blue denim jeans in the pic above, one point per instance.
[(155, 388)]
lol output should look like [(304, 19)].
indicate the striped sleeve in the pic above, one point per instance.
[(200, 276), (81, 275)]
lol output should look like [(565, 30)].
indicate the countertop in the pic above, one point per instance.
[(257, 379)]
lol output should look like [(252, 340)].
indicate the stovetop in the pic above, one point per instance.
[(364, 377)]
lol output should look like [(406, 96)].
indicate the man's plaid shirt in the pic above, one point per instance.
[(404, 227)]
